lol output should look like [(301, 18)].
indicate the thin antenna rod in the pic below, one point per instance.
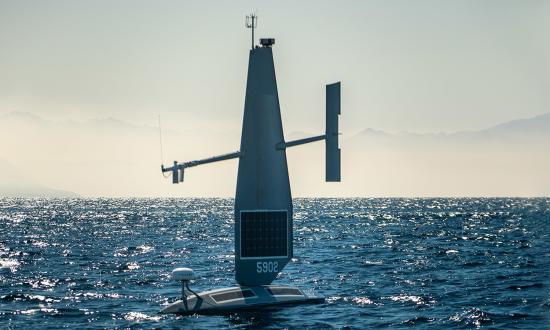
[(252, 23), (253, 17), (162, 152)]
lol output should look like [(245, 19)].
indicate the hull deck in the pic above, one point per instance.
[(228, 300)]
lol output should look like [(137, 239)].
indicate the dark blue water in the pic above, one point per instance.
[(399, 263)]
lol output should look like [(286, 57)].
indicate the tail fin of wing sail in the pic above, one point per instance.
[(332, 150)]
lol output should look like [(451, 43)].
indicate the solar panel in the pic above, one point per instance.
[(264, 234), (219, 297), (285, 292)]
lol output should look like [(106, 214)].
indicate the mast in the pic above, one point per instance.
[(263, 200)]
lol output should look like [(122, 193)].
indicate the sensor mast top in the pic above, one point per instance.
[(267, 42), (252, 23)]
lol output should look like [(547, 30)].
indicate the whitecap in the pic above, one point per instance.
[(40, 244), (132, 266), (405, 298), (10, 264), (137, 316), (362, 301), (373, 262), (145, 248)]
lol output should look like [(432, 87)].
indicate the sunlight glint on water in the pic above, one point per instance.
[(380, 262)]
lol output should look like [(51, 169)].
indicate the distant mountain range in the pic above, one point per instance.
[(15, 184), (111, 157), (535, 126), (531, 127)]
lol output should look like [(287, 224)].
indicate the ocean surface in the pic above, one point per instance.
[(397, 263)]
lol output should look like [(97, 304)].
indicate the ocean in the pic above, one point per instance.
[(382, 262)]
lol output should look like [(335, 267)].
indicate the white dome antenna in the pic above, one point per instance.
[(184, 275)]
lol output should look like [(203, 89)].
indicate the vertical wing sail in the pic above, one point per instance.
[(332, 150)]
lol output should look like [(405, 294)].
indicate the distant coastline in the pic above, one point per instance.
[(110, 157)]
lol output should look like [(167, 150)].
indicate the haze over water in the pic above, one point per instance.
[(399, 263)]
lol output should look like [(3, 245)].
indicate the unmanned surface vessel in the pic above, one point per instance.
[(263, 202), (233, 299)]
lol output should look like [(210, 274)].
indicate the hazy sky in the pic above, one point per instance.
[(419, 66)]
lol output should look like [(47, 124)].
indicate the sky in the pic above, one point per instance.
[(422, 66), (414, 66)]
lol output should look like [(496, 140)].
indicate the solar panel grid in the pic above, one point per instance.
[(264, 234), (232, 295)]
